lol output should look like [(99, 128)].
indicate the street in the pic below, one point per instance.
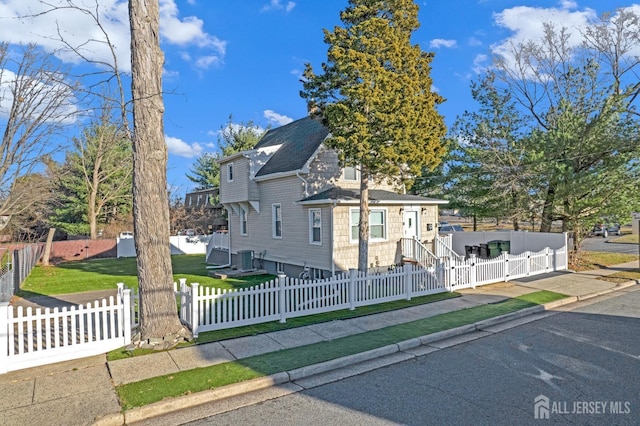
[(605, 244), (581, 367)]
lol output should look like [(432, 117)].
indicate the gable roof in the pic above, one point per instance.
[(352, 196), (299, 140)]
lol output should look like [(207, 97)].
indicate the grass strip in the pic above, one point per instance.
[(186, 382)]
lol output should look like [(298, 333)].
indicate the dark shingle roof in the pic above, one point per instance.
[(299, 140), (376, 195)]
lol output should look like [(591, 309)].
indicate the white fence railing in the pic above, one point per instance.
[(32, 337), (207, 309), (36, 337), (474, 271), (414, 250)]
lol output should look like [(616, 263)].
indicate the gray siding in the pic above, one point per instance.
[(294, 246), (238, 189)]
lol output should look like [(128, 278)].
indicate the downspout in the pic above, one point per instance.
[(306, 184)]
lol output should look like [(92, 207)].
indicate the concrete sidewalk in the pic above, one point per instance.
[(79, 392)]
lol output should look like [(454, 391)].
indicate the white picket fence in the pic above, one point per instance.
[(462, 273), (208, 309), (32, 337)]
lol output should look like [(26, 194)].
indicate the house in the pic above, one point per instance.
[(291, 207), (206, 201)]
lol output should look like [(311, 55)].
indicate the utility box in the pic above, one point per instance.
[(245, 260)]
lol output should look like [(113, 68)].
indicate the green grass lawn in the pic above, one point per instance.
[(104, 274), (186, 382)]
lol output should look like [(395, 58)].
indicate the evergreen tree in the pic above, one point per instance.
[(233, 138), (95, 179), (375, 96)]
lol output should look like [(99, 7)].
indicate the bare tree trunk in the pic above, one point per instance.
[(47, 247), (363, 229), (158, 312)]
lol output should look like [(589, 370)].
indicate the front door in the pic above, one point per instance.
[(410, 224)]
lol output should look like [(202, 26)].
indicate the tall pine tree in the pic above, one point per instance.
[(375, 95)]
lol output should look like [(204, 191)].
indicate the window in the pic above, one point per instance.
[(276, 217), (279, 267), (243, 222), (315, 226), (349, 173), (377, 224), (230, 172)]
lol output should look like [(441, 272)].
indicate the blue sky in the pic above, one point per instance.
[(244, 57)]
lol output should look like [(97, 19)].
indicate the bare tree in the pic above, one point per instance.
[(158, 314), (35, 104)]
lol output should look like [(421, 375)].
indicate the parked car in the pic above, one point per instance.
[(448, 229), (605, 229), (187, 232), (126, 234)]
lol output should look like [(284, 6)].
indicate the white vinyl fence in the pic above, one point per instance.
[(460, 273), (207, 309), (31, 337)]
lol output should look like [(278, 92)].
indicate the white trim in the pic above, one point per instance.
[(230, 172), (311, 227), (275, 208), (244, 221), (385, 224)]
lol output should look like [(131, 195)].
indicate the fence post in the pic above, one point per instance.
[(281, 298), (472, 272), (546, 259), (527, 265), (407, 272), (125, 303), (352, 288), (4, 337), (451, 272), (183, 299), (195, 308), (506, 266)]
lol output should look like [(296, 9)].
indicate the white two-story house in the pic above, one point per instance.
[(290, 206)]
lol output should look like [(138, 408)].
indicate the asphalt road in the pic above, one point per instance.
[(582, 365), (605, 244)]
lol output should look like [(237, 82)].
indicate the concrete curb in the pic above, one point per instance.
[(187, 401), (311, 370)]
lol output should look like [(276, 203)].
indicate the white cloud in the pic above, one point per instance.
[(181, 148), (439, 42), (36, 22), (480, 64), (276, 118), (277, 5), (527, 23)]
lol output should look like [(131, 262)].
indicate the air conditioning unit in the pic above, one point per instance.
[(245, 260)]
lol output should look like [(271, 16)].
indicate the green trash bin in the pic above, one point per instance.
[(494, 248), (505, 246)]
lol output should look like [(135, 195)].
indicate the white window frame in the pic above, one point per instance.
[(279, 267), (355, 174), (312, 227), (243, 222), (275, 208), (230, 172), (353, 223)]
